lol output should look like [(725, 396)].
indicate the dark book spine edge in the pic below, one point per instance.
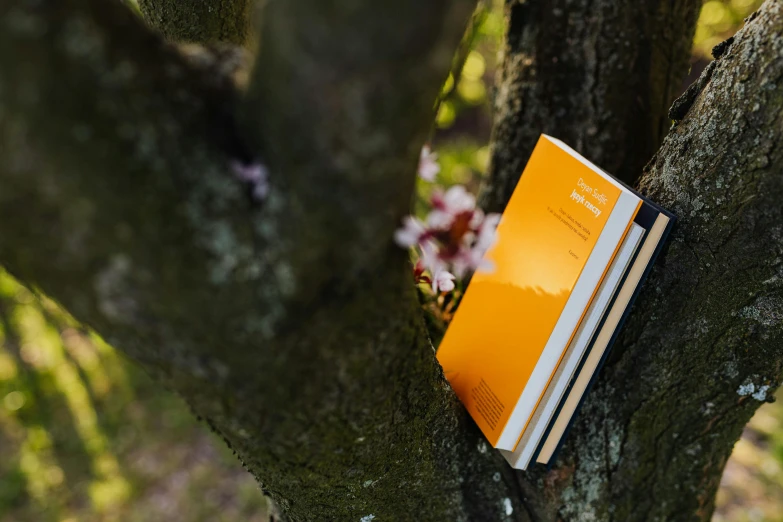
[(646, 217), (626, 313)]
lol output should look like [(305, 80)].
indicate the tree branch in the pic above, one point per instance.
[(341, 99), (112, 162), (290, 326), (200, 21), (702, 349), (596, 74), (465, 46)]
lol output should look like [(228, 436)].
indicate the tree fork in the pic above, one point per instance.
[(293, 328), (166, 257)]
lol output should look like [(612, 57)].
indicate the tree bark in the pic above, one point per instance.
[(291, 325), (200, 21), (703, 347), (599, 75)]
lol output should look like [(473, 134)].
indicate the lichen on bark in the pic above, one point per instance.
[(270, 320), (657, 429), (292, 327)]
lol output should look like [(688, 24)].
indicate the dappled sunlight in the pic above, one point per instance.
[(38, 465), (41, 347), (752, 485), (86, 436), (719, 20), (70, 424)]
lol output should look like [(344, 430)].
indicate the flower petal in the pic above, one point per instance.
[(443, 281), (410, 233), (428, 164), (457, 200), (439, 220)]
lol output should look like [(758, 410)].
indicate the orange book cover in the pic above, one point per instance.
[(507, 316)]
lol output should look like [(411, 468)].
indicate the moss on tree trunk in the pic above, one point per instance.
[(702, 349), (292, 327), (201, 21)]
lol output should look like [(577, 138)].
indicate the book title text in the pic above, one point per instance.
[(578, 195)]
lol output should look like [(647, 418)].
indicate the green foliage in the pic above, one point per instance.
[(463, 161), (464, 117), (752, 485), (87, 437), (467, 89), (718, 20)]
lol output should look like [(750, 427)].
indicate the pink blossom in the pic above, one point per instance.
[(454, 201), (255, 175), (428, 164), (463, 262), (251, 173), (453, 239), (457, 200), (487, 232), (439, 220), (443, 282), (471, 260), (410, 233), (431, 257), (477, 219), (260, 191), (447, 207)]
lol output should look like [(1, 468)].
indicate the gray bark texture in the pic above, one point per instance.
[(703, 347), (291, 326), (599, 75)]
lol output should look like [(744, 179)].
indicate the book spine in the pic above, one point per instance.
[(626, 313)]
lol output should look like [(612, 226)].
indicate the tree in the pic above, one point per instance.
[(291, 325)]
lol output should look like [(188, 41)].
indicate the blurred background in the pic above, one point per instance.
[(87, 436)]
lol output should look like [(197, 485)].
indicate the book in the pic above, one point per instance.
[(529, 337), (562, 228), (550, 399), (658, 223)]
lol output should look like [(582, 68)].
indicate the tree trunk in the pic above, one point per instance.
[(599, 75), (291, 325), (201, 21), (703, 347)]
